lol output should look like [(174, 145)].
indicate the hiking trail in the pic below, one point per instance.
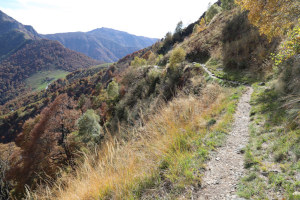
[(226, 164)]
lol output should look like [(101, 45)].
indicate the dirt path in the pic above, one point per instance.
[(226, 165), (213, 76), (208, 72)]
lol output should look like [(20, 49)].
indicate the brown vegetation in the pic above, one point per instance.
[(43, 143)]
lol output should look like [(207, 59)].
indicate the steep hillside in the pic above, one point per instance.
[(157, 123), (103, 44), (13, 34)]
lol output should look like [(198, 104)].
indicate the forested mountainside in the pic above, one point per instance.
[(24, 54), (103, 44), (37, 56), (149, 125)]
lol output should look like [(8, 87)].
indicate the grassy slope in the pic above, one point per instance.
[(41, 79), (170, 149), (101, 66)]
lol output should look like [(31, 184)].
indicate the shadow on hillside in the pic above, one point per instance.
[(245, 51)]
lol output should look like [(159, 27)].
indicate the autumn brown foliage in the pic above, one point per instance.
[(43, 143)]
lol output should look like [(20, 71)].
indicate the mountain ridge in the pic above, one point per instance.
[(105, 44)]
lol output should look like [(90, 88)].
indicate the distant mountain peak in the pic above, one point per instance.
[(104, 44)]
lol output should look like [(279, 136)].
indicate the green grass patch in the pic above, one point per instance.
[(272, 156), (252, 187), (104, 65), (40, 80)]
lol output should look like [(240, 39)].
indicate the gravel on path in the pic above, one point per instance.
[(226, 165)]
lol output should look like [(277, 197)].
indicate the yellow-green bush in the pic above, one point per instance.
[(289, 48), (137, 62), (177, 56)]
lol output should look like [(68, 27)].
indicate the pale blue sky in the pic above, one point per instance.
[(147, 18)]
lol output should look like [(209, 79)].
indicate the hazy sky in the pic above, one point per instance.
[(151, 18)]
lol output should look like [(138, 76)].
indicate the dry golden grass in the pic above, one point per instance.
[(120, 167)]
